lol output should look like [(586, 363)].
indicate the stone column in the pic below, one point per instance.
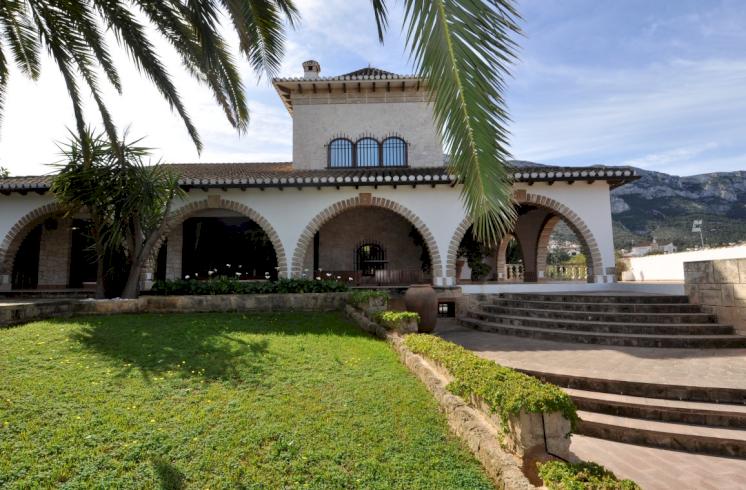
[(174, 247), (527, 231), (54, 253)]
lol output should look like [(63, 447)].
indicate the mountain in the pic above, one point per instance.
[(663, 206)]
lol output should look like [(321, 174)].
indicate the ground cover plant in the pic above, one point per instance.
[(221, 401), (559, 475), (506, 391)]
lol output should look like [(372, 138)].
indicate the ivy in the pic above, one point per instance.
[(560, 475), (392, 319), (362, 297), (506, 391)]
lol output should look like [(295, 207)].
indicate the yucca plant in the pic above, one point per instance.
[(462, 48)]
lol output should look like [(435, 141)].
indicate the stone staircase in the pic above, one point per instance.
[(698, 419), (619, 320), (684, 418)]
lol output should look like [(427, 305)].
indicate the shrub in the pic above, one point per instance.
[(559, 475), (362, 297), (225, 285), (506, 391), (392, 320)]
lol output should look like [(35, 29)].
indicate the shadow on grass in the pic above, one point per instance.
[(169, 476), (215, 346)]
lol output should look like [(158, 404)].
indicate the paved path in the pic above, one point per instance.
[(723, 368), (652, 468)]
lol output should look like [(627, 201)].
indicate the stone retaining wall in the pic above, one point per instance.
[(719, 286), (23, 312), (507, 458)]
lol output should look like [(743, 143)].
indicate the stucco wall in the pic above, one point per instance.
[(670, 267), (314, 126)]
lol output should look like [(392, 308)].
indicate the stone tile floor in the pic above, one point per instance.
[(652, 468), (724, 368)]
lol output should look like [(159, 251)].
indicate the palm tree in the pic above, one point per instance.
[(462, 48)]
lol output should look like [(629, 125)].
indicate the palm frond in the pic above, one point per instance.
[(381, 13), (21, 37), (463, 49)]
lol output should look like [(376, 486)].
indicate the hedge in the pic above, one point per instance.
[(392, 319), (361, 297), (506, 391), (225, 285), (560, 475)]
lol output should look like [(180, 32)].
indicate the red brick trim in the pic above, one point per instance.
[(216, 202), (587, 240), (18, 232), (306, 237)]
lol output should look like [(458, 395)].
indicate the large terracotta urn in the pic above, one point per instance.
[(421, 299)]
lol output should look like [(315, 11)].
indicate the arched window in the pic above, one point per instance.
[(367, 152), (394, 152), (340, 153), (369, 258)]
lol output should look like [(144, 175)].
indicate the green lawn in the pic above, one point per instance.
[(218, 401)]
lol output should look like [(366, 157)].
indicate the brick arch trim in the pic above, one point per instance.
[(216, 202), (306, 237), (574, 221), (14, 237)]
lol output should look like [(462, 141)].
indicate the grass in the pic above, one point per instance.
[(218, 401)]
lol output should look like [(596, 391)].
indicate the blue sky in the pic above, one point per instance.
[(655, 84)]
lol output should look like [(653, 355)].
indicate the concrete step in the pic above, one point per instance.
[(661, 410), (605, 326), (618, 339), (658, 391), (682, 437), (601, 316), (598, 298), (594, 306)]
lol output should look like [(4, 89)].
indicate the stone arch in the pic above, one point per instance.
[(576, 224), (18, 232), (216, 202), (306, 237), (542, 244), (502, 250)]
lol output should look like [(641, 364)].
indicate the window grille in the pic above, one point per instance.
[(369, 258), (394, 152), (367, 152), (340, 153)]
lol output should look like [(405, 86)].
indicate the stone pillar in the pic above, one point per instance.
[(719, 287), (527, 231), (54, 253), (174, 247)]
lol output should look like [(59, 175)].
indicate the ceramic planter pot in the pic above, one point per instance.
[(421, 298)]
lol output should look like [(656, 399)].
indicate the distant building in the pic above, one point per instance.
[(649, 248)]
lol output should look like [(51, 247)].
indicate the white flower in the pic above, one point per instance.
[(350, 279), (186, 277), (227, 265), (318, 278), (209, 273), (328, 274), (339, 277), (238, 273), (305, 270), (240, 265), (196, 274)]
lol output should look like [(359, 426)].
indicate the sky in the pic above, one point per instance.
[(660, 85)]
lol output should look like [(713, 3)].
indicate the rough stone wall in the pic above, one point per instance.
[(720, 287), (339, 238), (54, 254), (174, 247)]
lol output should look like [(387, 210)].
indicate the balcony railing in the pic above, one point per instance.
[(393, 277), (566, 272), (514, 272)]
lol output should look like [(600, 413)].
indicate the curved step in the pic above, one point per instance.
[(705, 394), (601, 316), (658, 409), (605, 327), (598, 307), (598, 298), (628, 340), (681, 437)]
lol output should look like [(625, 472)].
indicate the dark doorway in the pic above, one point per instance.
[(369, 258), (232, 247), (26, 265), (83, 261)]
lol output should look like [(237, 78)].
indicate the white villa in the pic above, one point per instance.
[(367, 198)]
